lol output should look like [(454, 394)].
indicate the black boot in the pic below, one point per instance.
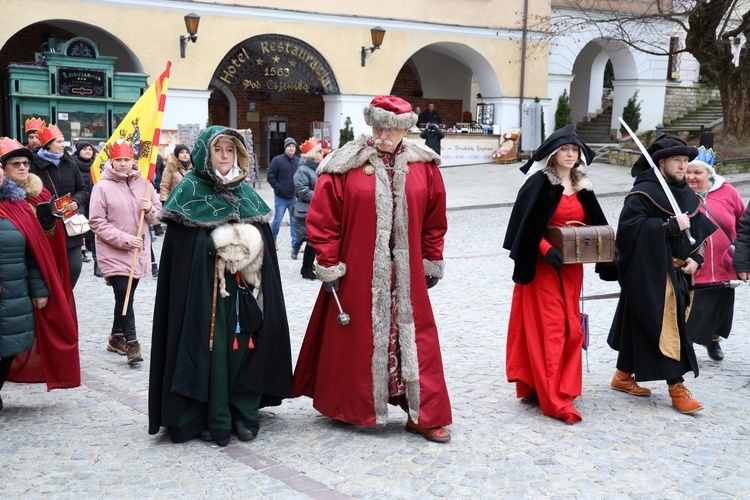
[(308, 258), (97, 271)]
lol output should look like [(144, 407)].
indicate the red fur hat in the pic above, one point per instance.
[(389, 111)]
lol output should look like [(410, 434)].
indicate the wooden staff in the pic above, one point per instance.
[(213, 305), (135, 255)]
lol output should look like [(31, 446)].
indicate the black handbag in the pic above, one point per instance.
[(249, 313)]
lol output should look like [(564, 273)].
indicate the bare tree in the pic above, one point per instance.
[(709, 28)]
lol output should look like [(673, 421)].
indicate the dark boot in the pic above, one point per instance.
[(308, 258), (97, 271), (134, 352)]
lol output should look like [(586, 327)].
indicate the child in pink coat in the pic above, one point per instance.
[(117, 201)]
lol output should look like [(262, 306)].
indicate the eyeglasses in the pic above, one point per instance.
[(19, 164), (390, 132)]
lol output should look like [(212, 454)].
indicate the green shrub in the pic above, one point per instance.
[(563, 115), (346, 134), (631, 114)]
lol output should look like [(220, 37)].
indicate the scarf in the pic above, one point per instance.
[(50, 157), (202, 199)]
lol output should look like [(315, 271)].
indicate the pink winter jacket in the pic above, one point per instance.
[(114, 212), (726, 203)]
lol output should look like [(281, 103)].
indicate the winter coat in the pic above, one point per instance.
[(725, 203), (173, 173), (84, 166), (304, 185), (432, 138), (20, 281), (115, 211), (281, 175), (60, 180)]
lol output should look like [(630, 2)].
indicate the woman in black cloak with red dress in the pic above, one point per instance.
[(545, 337)]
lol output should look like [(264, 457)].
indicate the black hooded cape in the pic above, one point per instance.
[(648, 328)]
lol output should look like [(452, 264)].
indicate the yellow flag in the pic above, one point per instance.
[(142, 127)]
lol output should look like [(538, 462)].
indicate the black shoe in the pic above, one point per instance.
[(206, 436), (243, 433), (308, 275), (97, 271), (1, 403), (154, 270), (714, 351)]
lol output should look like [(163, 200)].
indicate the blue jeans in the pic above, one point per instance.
[(281, 205)]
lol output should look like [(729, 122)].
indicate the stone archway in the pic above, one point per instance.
[(450, 75), (24, 46), (274, 85)]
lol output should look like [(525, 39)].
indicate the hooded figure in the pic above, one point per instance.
[(543, 353), (198, 387)]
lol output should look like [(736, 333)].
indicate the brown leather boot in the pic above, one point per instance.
[(133, 351), (683, 400), (623, 381)]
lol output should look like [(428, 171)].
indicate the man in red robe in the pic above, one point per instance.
[(377, 221)]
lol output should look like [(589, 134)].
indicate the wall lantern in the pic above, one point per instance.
[(377, 33), (191, 23)]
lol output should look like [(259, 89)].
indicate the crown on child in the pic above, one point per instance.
[(706, 155)]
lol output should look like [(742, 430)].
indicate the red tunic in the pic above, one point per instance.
[(345, 368), (543, 354)]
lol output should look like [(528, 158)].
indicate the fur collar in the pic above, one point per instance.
[(357, 153), (33, 185), (11, 191), (578, 178)]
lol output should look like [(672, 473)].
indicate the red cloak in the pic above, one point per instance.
[(54, 356), (360, 219)]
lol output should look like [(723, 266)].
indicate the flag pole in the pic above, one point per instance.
[(135, 256)]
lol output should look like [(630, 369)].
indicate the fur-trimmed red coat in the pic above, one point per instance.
[(358, 238)]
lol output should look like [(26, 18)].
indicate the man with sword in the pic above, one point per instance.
[(660, 240)]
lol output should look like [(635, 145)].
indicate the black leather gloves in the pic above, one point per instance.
[(554, 258), (431, 281), (331, 285), (47, 216)]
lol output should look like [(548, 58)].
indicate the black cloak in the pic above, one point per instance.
[(535, 204), (648, 328)]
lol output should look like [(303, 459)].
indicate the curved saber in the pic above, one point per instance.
[(675, 207)]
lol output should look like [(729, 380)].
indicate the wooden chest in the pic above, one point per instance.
[(581, 244)]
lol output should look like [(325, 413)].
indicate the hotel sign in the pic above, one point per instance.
[(277, 64)]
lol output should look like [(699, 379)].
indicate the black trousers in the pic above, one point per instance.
[(5, 369), (123, 324)]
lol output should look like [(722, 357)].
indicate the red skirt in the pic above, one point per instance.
[(543, 353)]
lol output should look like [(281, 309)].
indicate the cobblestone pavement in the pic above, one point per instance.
[(92, 441)]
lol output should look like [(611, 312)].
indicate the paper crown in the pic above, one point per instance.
[(309, 145), (121, 149), (49, 132), (34, 125), (706, 155), (8, 145)]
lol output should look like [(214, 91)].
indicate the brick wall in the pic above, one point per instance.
[(407, 87), (298, 109)]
